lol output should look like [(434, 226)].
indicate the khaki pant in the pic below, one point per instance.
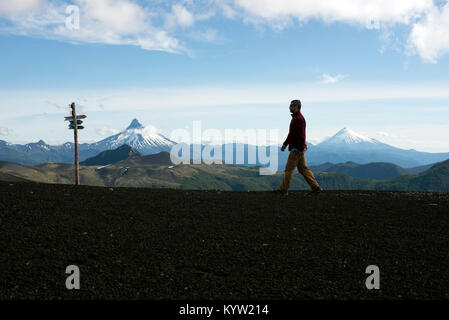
[(296, 159)]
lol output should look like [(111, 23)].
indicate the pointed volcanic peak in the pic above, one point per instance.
[(348, 136), (347, 139), (146, 140), (135, 124)]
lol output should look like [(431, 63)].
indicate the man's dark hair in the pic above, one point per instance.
[(296, 103)]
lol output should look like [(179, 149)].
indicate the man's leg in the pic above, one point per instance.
[(306, 172), (292, 163)]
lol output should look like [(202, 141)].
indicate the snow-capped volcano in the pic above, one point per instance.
[(347, 140), (146, 140), (347, 136)]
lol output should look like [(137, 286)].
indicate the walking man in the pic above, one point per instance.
[(296, 142)]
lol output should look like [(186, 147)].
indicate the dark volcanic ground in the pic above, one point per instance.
[(169, 244)]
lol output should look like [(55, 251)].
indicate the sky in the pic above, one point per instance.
[(379, 67)]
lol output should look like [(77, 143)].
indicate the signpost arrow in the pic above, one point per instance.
[(78, 127), (77, 117)]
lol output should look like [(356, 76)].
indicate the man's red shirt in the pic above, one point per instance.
[(297, 135)]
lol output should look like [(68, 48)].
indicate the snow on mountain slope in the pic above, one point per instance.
[(347, 136), (146, 140)]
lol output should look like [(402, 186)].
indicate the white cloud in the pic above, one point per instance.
[(152, 24), (428, 19), (185, 16), (328, 79), (383, 133), (121, 16), (5, 131), (430, 37), (119, 22), (181, 16), (429, 22), (349, 11), (106, 131), (18, 7)]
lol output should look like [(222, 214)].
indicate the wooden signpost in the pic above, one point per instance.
[(75, 125)]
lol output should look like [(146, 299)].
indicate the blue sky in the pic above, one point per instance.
[(380, 70)]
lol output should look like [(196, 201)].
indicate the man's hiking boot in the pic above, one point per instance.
[(283, 192), (316, 191)]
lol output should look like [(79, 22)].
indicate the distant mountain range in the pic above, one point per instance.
[(144, 139), (158, 171), (40, 152), (345, 146), (348, 146)]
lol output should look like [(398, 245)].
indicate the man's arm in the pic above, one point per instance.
[(285, 144), (291, 131), (289, 136)]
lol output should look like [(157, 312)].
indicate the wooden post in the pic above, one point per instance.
[(75, 131)]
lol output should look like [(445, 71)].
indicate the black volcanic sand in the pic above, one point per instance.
[(134, 243)]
